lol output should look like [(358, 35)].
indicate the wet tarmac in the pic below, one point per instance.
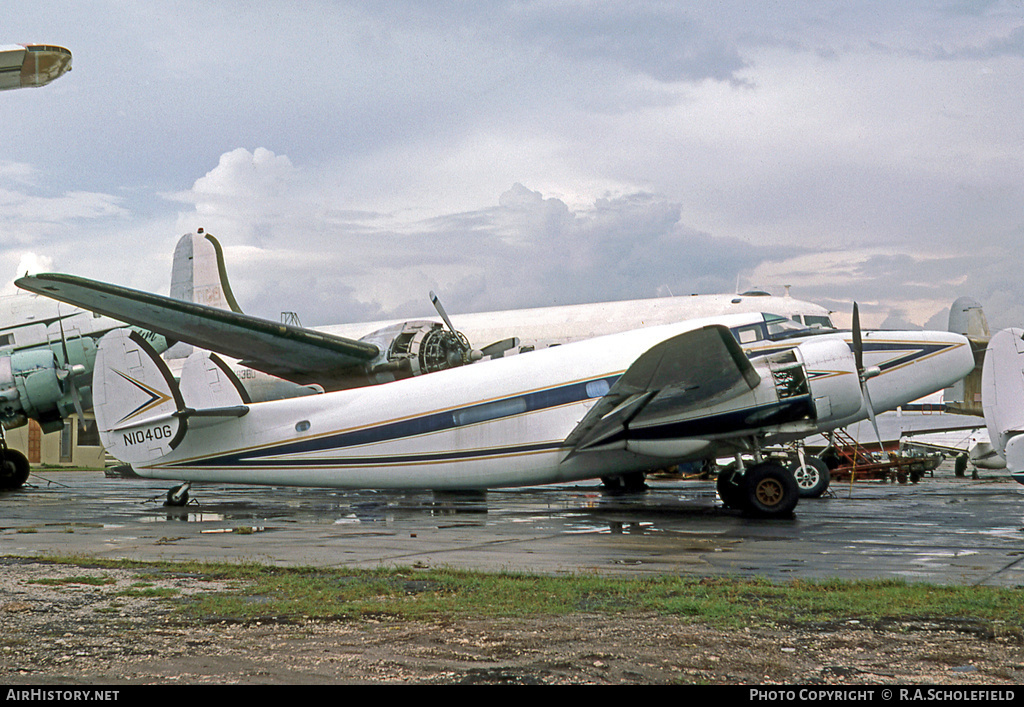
[(944, 530)]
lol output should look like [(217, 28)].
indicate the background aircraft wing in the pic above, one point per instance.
[(294, 353), (696, 368)]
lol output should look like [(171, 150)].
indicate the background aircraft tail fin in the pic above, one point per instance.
[(1002, 391), (967, 317), (136, 401), (198, 274)]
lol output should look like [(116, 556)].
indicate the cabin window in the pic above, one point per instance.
[(598, 388), (490, 411), (748, 334), (302, 426), (818, 321)]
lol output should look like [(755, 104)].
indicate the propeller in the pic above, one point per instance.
[(468, 353), (864, 374), (68, 372)]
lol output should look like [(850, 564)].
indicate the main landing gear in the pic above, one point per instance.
[(765, 490), (14, 467)]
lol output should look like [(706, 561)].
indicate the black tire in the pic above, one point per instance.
[(14, 470), (730, 488), (771, 491), (177, 497), (812, 478), (960, 465)]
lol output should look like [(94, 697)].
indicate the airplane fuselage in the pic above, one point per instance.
[(505, 422)]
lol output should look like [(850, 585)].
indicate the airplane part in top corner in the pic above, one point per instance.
[(1002, 395), (135, 399), (32, 65)]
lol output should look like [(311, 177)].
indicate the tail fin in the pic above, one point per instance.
[(967, 317), (136, 400), (1002, 392), (141, 413), (208, 382), (198, 273)]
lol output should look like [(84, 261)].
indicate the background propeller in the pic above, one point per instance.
[(468, 353), (67, 372)]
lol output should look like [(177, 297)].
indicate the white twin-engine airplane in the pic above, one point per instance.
[(615, 404)]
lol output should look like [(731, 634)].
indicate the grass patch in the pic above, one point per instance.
[(259, 591)]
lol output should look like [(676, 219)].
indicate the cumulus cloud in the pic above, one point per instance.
[(243, 193)]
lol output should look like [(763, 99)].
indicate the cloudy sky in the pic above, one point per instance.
[(352, 156)]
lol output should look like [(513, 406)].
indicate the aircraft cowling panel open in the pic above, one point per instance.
[(833, 379), (415, 347), (30, 386)]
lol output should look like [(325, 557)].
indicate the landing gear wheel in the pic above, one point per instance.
[(730, 488), (812, 478), (178, 496), (14, 469), (633, 482), (771, 491)]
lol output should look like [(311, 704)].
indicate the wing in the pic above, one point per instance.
[(669, 380), (300, 355)]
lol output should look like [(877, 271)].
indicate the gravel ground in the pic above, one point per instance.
[(77, 632)]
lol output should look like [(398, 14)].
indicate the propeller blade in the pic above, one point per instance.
[(858, 342), (63, 338), (440, 310), (871, 413), (863, 374)]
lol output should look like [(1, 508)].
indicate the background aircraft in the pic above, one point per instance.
[(47, 351), (31, 65), (609, 405), (1002, 395), (364, 353)]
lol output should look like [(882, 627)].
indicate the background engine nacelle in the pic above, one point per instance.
[(416, 347), (31, 385)]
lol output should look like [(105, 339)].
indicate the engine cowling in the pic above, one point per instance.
[(31, 386), (416, 347), (832, 375)]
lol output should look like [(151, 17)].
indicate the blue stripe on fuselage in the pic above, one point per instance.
[(425, 424)]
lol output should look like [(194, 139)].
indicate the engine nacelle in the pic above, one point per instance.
[(416, 347), (832, 374), (31, 387)]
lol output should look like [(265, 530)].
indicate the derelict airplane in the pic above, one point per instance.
[(416, 346), (32, 65), (610, 405), (47, 351)]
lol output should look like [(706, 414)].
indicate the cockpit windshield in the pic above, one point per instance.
[(778, 326), (774, 328)]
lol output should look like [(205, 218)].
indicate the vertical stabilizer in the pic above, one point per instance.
[(967, 317), (1002, 390), (136, 401), (198, 273)]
